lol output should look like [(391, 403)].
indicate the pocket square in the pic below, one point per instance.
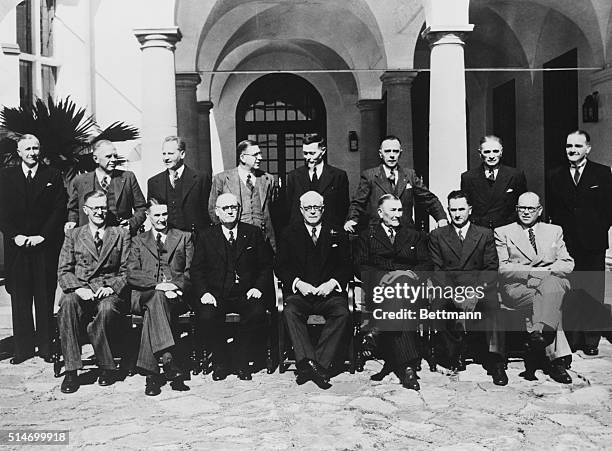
[(411, 248), (249, 247), (594, 186), (334, 245), (408, 185), (509, 190), (49, 184)]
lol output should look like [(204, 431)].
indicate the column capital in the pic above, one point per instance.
[(369, 104), (10, 48), (204, 106), (187, 79), (164, 37), (440, 35), (398, 77)]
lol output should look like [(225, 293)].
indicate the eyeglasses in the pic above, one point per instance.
[(312, 207), (97, 209), (527, 209), (227, 208), (254, 155)]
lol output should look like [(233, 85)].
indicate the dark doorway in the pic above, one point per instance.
[(504, 119), (419, 93), (560, 108)]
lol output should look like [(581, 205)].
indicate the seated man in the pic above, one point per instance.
[(387, 246), (534, 265), (314, 266), (231, 273), (465, 256), (92, 274), (158, 273)]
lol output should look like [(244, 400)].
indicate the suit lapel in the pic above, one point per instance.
[(302, 176), (172, 241), (19, 182), (381, 236), (117, 184), (86, 240), (472, 238), (262, 187), (241, 241), (326, 178), (520, 240), (402, 182), (452, 240), (219, 242), (149, 243), (189, 180), (233, 182), (380, 179), (39, 182), (109, 240)]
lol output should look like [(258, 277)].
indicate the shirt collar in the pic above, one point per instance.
[(388, 170), (93, 229), (163, 235), (317, 228), (463, 229), (100, 174), (319, 168), (243, 173), (580, 166), (178, 172), (227, 231), (387, 228), (25, 169)]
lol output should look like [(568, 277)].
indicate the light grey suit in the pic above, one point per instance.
[(536, 281)]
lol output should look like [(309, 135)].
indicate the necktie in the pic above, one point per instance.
[(392, 179), (392, 235), (313, 235), (249, 183), (29, 176), (104, 183), (160, 244), (532, 240), (491, 176), (576, 176), (173, 179), (460, 233), (98, 240), (315, 177), (231, 240)]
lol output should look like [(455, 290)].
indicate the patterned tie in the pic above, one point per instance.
[(104, 183), (576, 176), (532, 240), (174, 177), (313, 235), (460, 234), (490, 176), (29, 176), (232, 240), (160, 244), (392, 235), (392, 179), (98, 240), (249, 183)]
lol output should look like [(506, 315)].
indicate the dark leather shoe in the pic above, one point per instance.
[(70, 384), (558, 373), (245, 375), (498, 374), (384, 372), (536, 341), (179, 385), (19, 359), (410, 379), (590, 350), (152, 387), (107, 377), (368, 343), (219, 373), (315, 372), (172, 372)]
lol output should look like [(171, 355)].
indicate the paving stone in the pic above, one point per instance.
[(574, 420), (189, 405), (370, 404)]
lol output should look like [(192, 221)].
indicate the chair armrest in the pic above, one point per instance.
[(352, 285), (278, 291)]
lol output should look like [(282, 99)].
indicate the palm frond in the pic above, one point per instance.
[(118, 131)]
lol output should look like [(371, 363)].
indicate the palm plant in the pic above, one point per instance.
[(65, 131)]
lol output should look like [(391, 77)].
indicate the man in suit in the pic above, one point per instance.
[(534, 265), (492, 187), (32, 210), (254, 188), (389, 246), (158, 273), (390, 178), (92, 274), (126, 204), (231, 273), (465, 255), (184, 191), (581, 203), (314, 266), (316, 175)]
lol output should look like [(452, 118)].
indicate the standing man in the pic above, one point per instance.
[(466, 256), (492, 187), (581, 203), (314, 266), (32, 210), (534, 265), (184, 191), (231, 273), (126, 204), (158, 273), (254, 188), (390, 178), (92, 274), (388, 246), (316, 175)]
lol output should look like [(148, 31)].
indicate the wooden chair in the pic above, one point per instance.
[(316, 321)]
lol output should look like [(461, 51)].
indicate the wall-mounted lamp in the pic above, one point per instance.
[(353, 141), (590, 108)]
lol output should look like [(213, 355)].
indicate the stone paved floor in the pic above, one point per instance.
[(272, 412)]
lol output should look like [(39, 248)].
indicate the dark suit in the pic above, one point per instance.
[(332, 185), (125, 200), (407, 252), (149, 265), (299, 257), (80, 266), (229, 182), (493, 204), (408, 188), (228, 273), (35, 209), (473, 263), (585, 213), (188, 211)]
